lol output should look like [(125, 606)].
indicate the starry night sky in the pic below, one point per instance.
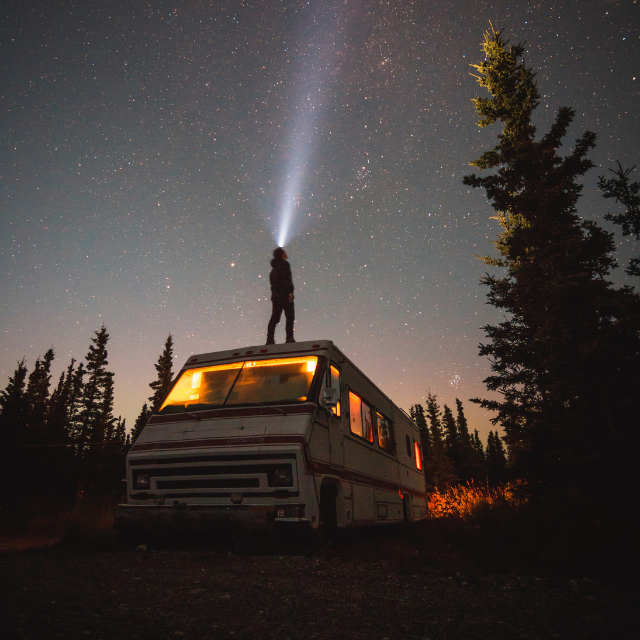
[(149, 149)]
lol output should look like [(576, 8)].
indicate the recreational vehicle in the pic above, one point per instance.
[(278, 435)]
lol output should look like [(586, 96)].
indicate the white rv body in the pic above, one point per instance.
[(269, 462)]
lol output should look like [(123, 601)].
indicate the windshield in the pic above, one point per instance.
[(250, 382)]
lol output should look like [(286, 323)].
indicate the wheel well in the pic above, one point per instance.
[(329, 503)]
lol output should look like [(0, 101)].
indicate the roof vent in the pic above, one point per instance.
[(264, 350), (248, 353), (315, 346), (236, 353)]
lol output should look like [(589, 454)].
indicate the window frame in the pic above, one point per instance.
[(391, 448), (363, 403)]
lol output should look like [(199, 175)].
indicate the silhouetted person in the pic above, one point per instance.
[(281, 295)]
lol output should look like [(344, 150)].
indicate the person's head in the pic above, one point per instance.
[(279, 253)]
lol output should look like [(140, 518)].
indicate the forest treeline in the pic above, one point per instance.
[(451, 455), (62, 443)]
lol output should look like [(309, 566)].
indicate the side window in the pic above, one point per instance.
[(385, 433), (418, 450), (408, 440), (360, 417), (333, 381)]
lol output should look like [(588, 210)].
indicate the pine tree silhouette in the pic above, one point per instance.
[(160, 386), (566, 359)]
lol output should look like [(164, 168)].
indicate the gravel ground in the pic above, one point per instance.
[(377, 586)]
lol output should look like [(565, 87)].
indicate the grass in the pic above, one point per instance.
[(464, 501), (565, 535), (43, 521)]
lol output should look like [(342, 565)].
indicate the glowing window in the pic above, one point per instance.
[(360, 417), (207, 386), (418, 454), (385, 433), (251, 382), (334, 383), (284, 379)]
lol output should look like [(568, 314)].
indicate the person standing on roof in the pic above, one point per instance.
[(281, 295)]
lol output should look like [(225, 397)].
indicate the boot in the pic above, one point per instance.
[(270, 341)]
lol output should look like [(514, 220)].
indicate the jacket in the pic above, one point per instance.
[(280, 279)]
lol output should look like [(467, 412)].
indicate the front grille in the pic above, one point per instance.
[(196, 477), (236, 483)]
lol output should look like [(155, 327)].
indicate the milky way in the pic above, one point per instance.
[(145, 154)]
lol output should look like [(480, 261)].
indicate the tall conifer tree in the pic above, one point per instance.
[(94, 388), (37, 392), (438, 468), (471, 464), (626, 193), (164, 368), (565, 358), (417, 415), (14, 406), (496, 460), (14, 411), (160, 386)]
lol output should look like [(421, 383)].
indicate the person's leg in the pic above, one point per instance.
[(290, 316), (276, 314)]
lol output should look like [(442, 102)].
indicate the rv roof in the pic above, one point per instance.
[(259, 352), (267, 351)]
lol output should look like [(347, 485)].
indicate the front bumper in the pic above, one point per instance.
[(183, 517)]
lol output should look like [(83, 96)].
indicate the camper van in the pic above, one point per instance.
[(274, 436)]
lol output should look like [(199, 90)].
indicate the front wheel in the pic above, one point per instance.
[(328, 510)]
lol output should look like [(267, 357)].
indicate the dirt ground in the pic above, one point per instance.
[(361, 586)]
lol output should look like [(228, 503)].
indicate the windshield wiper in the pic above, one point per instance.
[(191, 415), (264, 404)]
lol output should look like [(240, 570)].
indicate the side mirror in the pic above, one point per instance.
[(329, 398)]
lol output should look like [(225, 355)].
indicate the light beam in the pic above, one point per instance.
[(316, 55)]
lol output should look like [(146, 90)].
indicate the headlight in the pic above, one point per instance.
[(142, 481), (282, 477)]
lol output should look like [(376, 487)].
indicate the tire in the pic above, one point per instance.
[(328, 512)]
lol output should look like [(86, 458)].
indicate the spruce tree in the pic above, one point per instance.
[(37, 392), (14, 411), (451, 436), (75, 407), (162, 384), (59, 414), (418, 417), (141, 421), (99, 382), (565, 359), (477, 443), (626, 193), (14, 406), (471, 463), (461, 423), (496, 460), (438, 468), (61, 468)]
